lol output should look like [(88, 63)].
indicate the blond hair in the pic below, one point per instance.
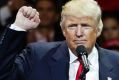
[(81, 8)]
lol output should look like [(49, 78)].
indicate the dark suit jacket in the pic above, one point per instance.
[(45, 61)]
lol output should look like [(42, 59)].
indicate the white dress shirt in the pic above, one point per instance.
[(93, 73), (14, 27)]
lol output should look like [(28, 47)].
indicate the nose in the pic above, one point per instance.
[(79, 31)]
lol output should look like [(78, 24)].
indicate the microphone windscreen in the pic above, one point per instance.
[(81, 50)]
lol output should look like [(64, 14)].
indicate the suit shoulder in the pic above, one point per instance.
[(44, 45), (114, 55), (111, 52), (40, 49)]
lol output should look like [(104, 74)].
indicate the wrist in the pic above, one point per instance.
[(16, 27)]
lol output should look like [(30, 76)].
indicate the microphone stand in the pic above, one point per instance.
[(82, 54), (83, 74)]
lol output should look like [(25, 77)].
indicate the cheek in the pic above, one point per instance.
[(116, 32), (91, 36), (70, 34)]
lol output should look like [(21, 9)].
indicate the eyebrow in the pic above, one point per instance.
[(84, 24), (71, 25)]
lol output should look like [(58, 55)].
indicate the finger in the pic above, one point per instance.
[(28, 11), (36, 19), (33, 13), (23, 10), (37, 13)]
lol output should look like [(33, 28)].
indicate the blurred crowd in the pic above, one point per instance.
[(110, 35), (49, 29)]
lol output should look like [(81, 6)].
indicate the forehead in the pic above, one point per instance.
[(45, 3), (110, 21), (86, 19)]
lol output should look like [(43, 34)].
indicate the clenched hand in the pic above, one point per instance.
[(27, 18)]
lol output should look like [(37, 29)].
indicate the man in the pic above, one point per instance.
[(48, 29), (111, 26), (81, 25), (110, 32)]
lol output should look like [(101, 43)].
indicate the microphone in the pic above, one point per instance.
[(82, 53)]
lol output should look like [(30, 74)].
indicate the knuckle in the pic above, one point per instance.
[(34, 9), (23, 6), (30, 8), (37, 13)]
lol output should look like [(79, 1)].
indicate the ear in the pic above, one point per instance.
[(63, 31), (98, 32), (98, 29), (63, 28)]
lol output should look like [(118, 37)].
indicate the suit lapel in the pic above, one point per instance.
[(105, 67), (59, 63)]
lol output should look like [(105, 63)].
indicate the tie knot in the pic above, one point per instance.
[(80, 60)]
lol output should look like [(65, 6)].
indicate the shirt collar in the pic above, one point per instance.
[(72, 56), (93, 56)]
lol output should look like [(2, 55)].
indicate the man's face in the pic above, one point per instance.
[(111, 28), (47, 12), (80, 31), (16, 4)]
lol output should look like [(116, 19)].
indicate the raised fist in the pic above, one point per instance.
[(27, 18)]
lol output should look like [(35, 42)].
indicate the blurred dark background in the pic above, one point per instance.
[(49, 29)]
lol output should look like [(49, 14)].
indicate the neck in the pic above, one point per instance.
[(88, 51)]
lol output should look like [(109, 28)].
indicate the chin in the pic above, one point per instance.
[(79, 44)]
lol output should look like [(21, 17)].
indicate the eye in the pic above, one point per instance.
[(115, 28), (72, 25)]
